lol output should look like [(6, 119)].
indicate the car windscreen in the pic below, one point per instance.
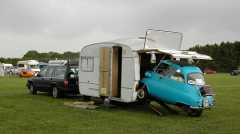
[(34, 66), (196, 79), (20, 65)]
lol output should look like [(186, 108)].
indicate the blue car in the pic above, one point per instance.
[(179, 84)]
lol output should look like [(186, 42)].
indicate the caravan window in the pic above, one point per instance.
[(87, 63), (20, 65)]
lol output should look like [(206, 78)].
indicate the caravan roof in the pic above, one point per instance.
[(167, 42), (29, 62), (137, 44)]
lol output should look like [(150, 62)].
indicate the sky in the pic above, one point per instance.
[(68, 25)]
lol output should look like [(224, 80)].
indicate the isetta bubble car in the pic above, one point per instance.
[(180, 84)]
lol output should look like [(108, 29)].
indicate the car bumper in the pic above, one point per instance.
[(205, 102)]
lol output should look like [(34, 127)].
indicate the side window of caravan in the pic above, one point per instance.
[(87, 63)]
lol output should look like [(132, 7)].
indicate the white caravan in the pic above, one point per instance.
[(113, 69)]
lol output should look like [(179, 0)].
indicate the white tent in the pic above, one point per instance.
[(1, 70)]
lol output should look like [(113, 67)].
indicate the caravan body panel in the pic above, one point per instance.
[(92, 72)]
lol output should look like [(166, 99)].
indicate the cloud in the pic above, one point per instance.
[(60, 25)]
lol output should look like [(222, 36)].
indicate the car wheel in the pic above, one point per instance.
[(32, 90), (56, 93), (142, 94), (194, 112)]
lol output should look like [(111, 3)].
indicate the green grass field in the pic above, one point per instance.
[(21, 113)]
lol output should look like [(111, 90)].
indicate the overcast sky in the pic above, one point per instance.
[(67, 25)]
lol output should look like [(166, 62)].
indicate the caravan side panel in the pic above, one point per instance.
[(89, 72)]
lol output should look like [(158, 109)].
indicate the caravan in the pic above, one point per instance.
[(114, 69)]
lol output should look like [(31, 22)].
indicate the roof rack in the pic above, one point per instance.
[(58, 62)]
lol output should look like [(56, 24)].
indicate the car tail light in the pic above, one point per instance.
[(65, 83)]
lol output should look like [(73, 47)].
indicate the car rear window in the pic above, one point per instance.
[(60, 72)]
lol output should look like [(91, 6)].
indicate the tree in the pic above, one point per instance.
[(226, 55)]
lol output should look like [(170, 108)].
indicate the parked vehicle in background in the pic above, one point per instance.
[(28, 68), (1, 70), (42, 65), (209, 71), (235, 72), (6, 69), (58, 78)]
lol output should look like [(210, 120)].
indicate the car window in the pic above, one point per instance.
[(60, 72), (49, 71), (162, 68), (43, 72), (34, 66), (177, 77), (20, 65), (165, 69), (196, 78)]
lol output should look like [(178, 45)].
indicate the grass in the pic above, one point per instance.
[(21, 113)]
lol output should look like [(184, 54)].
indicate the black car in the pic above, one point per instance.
[(235, 72), (56, 79)]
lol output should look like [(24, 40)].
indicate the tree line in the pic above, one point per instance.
[(42, 57), (226, 56)]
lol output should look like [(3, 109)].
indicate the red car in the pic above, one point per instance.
[(209, 71)]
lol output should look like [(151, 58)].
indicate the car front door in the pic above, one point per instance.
[(168, 88), (58, 77), (39, 79), (48, 79)]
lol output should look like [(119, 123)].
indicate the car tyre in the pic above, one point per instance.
[(142, 94), (195, 112), (32, 90), (56, 93)]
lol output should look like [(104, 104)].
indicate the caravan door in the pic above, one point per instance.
[(110, 71)]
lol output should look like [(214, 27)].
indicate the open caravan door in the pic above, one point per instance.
[(170, 43)]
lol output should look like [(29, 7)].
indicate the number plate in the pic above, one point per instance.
[(205, 102)]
